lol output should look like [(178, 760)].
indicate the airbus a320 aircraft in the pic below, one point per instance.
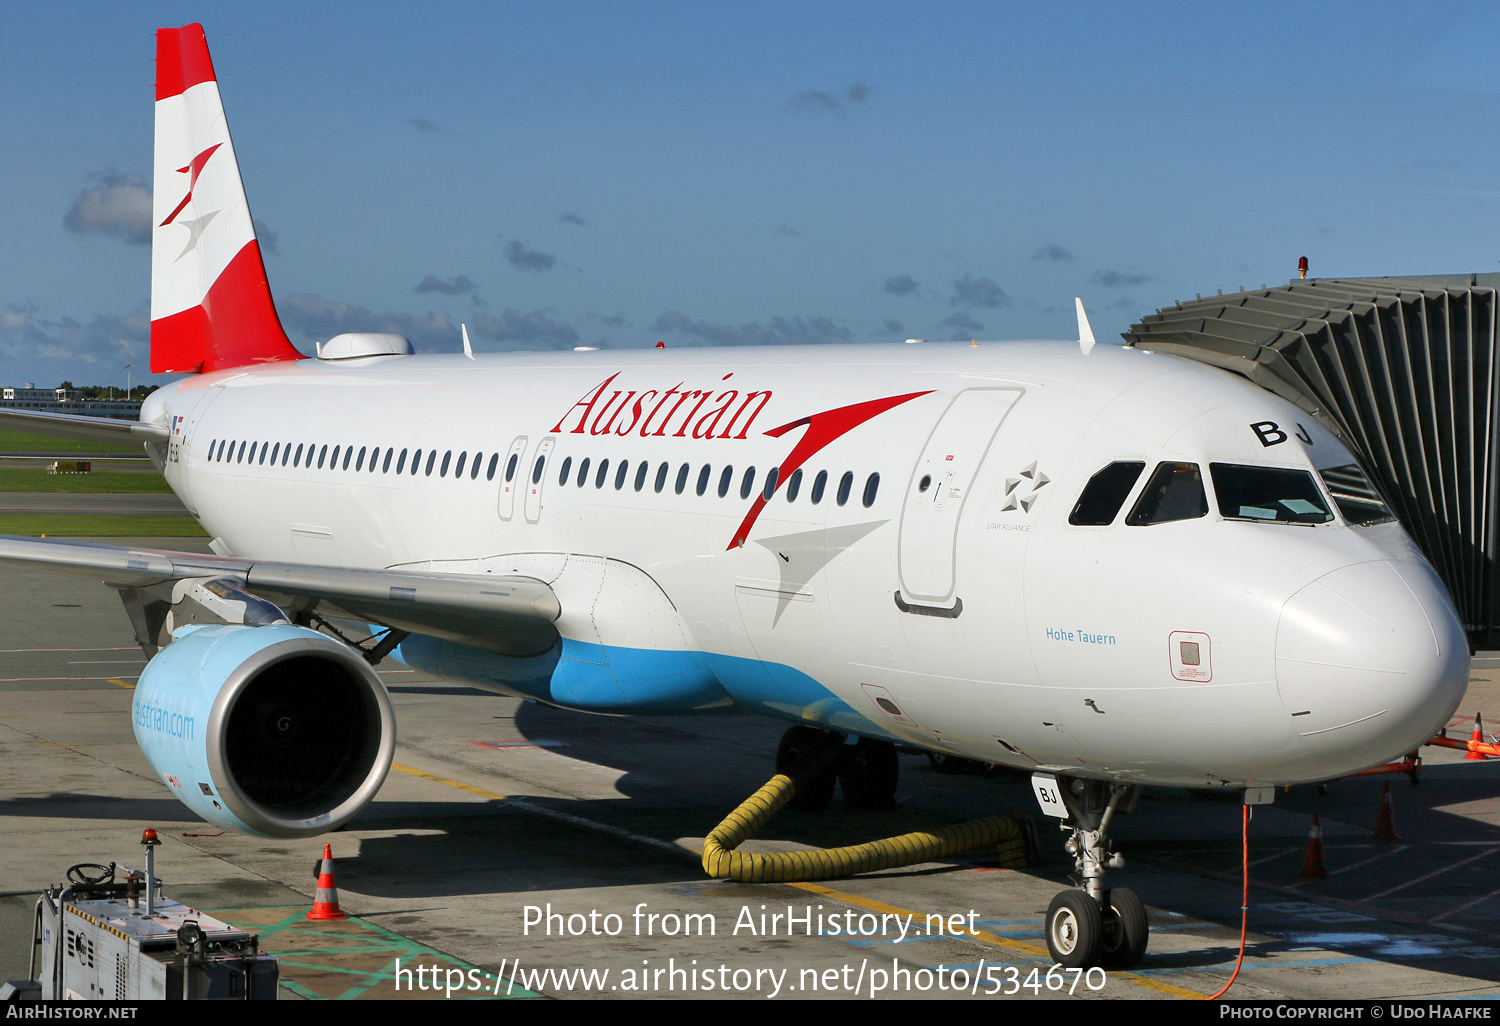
[(1108, 567)]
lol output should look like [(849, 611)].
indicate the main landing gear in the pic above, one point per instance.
[(1096, 925), (867, 771)]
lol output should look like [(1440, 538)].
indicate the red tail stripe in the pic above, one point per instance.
[(236, 324), (182, 60)]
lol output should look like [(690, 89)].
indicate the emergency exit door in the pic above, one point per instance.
[(939, 490)]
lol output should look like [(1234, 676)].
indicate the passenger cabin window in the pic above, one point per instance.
[(845, 484), (463, 457), (682, 476), (661, 477), (641, 471), (401, 462), (566, 472), (1272, 494), (703, 476), (872, 485), (1355, 496), (623, 470), (793, 485), (1105, 493), (510, 466), (583, 472), (489, 472), (322, 454), (416, 462), (770, 488), (747, 483), (1175, 492), (724, 480), (430, 457), (603, 473), (443, 469), (536, 472)]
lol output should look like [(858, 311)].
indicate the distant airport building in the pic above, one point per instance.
[(67, 400), (1406, 370)]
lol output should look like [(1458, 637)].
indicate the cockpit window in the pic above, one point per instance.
[(1175, 492), (1355, 496), (1268, 493), (1105, 493)]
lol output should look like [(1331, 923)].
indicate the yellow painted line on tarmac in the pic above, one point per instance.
[(542, 810), (1023, 947), (121, 683), (481, 792)]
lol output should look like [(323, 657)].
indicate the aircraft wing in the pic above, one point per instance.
[(513, 615), (87, 429)]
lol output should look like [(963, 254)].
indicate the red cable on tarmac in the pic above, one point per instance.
[(1244, 897)]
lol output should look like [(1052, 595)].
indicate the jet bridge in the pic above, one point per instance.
[(1405, 370)]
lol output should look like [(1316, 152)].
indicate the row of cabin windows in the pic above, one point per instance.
[(369, 459), (600, 476), (375, 459)]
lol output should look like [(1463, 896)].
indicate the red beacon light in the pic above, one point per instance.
[(148, 836), (1302, 267), (661, 345)]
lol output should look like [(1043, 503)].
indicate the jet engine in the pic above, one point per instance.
[(277, 731)]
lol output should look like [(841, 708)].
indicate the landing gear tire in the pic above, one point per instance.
[(1074, 930), (1126, 932), (814, 794), (868, 774)]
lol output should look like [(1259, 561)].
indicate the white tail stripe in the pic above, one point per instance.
[(201, 220)]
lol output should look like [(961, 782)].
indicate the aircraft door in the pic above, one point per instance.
[(536, 478), (512, 476), (939, 487)]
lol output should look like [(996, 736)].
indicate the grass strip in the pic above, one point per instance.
[(65, 526), (20, 441), (95, 482)]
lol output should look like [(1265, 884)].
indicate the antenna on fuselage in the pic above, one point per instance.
[(468, 350), (1085, 333)]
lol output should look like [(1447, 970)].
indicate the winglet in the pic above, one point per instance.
[(1085, 333), (468, 350)]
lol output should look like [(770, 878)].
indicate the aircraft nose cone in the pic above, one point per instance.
[(1371, 661)]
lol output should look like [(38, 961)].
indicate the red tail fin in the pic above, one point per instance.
[(211, 307)]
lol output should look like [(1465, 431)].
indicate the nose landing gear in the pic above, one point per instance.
[(1094, 925)]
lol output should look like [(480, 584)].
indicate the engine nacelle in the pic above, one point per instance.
[(276, 731)]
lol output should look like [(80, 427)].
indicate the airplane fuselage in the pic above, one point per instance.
[(922, 582)]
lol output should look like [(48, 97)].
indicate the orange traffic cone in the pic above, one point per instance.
[(1478, 736), (1312, 863), (326, 904), (1385, 823)]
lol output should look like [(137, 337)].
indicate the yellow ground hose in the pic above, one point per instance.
[(722, 862)]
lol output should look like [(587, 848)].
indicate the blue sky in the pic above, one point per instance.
[(704, 174)]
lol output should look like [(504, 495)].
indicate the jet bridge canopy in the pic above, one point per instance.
[(1405, 371)]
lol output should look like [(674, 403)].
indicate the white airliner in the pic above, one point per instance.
[(1105, 566)]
